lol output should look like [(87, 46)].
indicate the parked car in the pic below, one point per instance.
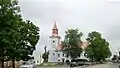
[(79, 62), (28, 64), (73, 64)]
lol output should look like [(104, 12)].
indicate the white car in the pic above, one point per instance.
[(27, 65)]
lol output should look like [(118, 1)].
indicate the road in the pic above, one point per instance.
[(108, 65)]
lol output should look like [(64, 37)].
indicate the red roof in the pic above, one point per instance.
[(55, 30), (59, 46), (55, 26), (83, 46)]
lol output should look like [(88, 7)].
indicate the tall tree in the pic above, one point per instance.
[(45, 56), (6, 20), (30, 37), (17, 37), (98, 48), (72, 42)]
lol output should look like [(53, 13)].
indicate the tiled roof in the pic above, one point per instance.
[(60, 46), (83, 46)]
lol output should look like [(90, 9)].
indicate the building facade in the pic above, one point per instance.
[(56, 52)]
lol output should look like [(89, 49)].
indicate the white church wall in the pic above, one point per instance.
[(62, 57), (54, 42), (52, 56), (38, 58)]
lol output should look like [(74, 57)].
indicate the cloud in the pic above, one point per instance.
[(86, 15)]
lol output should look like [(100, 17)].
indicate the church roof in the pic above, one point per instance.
[(83, 45), (60, 46), (55, 26)]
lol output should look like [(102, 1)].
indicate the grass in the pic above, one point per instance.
[(52, 65)]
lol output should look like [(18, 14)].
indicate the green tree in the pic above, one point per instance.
[(72, 42), (23, 42), (7, 14), (17, 37), (30, 37), (98, 48), (45, 56)]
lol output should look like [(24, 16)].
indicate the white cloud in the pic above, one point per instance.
[(86, 15)]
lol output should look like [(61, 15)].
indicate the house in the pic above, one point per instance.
[(56, 52), (38, 58)]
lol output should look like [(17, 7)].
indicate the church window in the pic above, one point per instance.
[(63, 60), (37, 61), (53, 53), (59, 60), (58, 55), (63, 55)]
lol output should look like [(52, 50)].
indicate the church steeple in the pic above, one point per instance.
[(55, 26), (55, 30), (55, 38)]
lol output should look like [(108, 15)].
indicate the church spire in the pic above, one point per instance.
[(55, 38), (55, 30), (55, 26)]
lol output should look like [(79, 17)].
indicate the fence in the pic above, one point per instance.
[(8, 64)]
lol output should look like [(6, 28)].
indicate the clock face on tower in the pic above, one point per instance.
[(53, 41)]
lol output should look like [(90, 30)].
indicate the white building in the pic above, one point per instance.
[(56, 52), (38, 58)]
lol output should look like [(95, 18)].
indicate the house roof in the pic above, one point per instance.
[(83, 45)]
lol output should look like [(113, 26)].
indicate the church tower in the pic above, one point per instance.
[(55, 38)]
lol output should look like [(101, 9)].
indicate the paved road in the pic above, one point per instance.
[(108, 65), (60, 67)]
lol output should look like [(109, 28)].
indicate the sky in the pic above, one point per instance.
[(86, 15)]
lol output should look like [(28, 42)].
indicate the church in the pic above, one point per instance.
[(56, 52)]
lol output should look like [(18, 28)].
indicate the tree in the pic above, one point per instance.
[(98, 48), (17, 37), (45, 56), (72, 42), (6, 20), (30, 37), (24, 40)]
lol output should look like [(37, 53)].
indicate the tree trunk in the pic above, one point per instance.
[(13, 63), (2, 63), (7, 65)]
